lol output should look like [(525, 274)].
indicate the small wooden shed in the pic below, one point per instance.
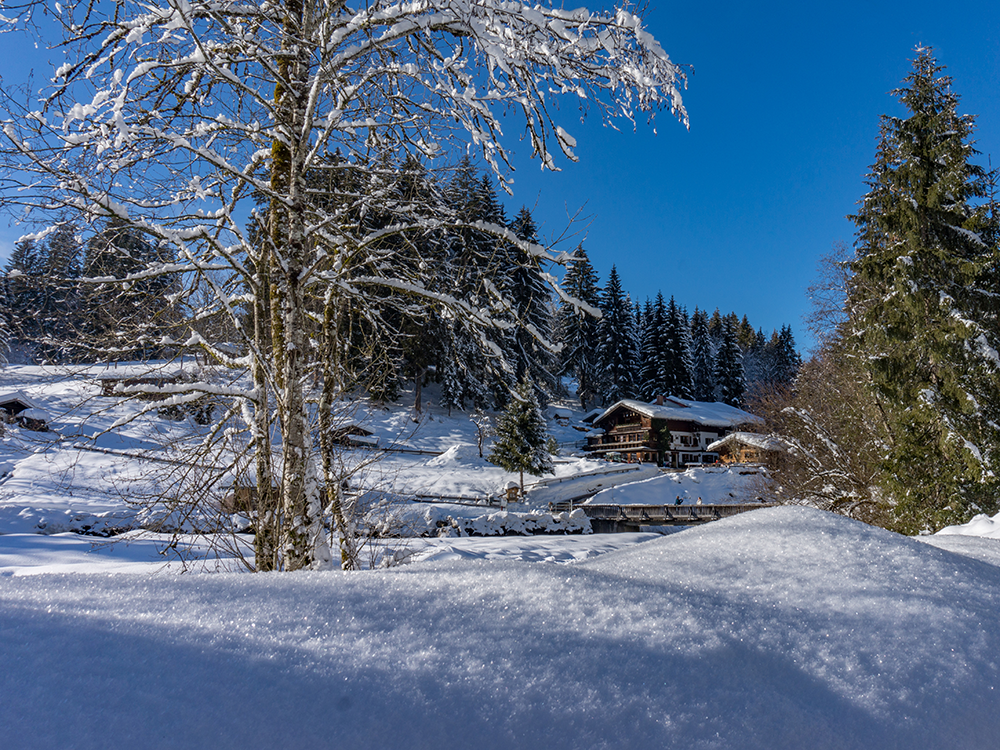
[(17, 408)]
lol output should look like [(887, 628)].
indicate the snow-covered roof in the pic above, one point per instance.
[(37, 414), (591, 415), (708, 413), (10, 397), (752, 439)]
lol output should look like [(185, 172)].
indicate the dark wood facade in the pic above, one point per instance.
[(639, 433)]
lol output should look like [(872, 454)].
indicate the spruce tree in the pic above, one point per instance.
[(786, 359), (635, 336), (578, 330), (923, 308), (23, 290), (521, 436), (529, 293), (651, 369), (703, 359), (125, 323), (615, 341), (729, 379), (676, 364)]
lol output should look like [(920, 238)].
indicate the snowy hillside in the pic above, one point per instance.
[(98, 467)]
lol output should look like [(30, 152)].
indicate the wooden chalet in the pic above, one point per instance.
[(670, 432)]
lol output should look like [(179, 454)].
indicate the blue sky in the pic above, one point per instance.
[(784, 104)]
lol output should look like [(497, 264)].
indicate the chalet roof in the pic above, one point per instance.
[(707, 413), (751, 439), (591, 415)]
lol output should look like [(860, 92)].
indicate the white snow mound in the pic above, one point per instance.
[(780, 628)]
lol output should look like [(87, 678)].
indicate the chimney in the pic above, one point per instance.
[(659, 399)]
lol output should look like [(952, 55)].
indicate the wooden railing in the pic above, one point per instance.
[(623, 517)]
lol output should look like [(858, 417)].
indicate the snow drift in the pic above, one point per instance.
[(778, 628)]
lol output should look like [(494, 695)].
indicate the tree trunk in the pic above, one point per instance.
[(302, 542)]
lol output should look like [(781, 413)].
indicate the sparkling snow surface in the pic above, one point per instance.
[(782, 628)]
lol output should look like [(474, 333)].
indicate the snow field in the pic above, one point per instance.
[(782, 628)]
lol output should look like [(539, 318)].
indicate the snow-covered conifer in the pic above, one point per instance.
[(676, 362), (703, 358), (531, 337), (729, 378), (578, 328), (615, 341), (521, 436), (651, 348), (922, 306)]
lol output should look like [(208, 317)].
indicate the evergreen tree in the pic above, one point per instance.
[(757, 361), (703, 359), (676, 364), (923, 308), (492, 264), (521, 437), (715, 328), (23, 290), (786, 359), (578, 330), (44, 293), (729, 379), (474, 257), (651, 347), (746, 336), (125, 322), (529, 293), (615, 341)]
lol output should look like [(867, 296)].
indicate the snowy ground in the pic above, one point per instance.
[(710, 484), (780, 628), (93, 470)]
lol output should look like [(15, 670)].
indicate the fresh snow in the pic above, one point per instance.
[(779, 628), (784, 628), (713, 484)]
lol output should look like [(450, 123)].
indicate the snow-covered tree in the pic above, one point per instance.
[(676, 363), (578, 327), (615, 353), (175, 117), (651, 349), (729, 378), (530, 295), (923, 308), (703, 357), (125, 323), (44, 293), (521, 437)]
